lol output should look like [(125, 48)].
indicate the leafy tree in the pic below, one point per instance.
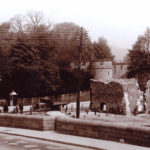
[(139, 60), (35, 60), (5, 38), (67, 37), (101, 50), (28, 74)]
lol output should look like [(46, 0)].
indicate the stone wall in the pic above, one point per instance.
[(106, 131), (27, 121), (109, 94), (132, 94), (127, 133), (147, 97), (103, 69), (119, 70), (70, 97)]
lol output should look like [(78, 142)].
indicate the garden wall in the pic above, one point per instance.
[(70, 97), (136, 135), (27, 121)]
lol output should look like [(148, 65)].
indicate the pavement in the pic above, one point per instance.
[(85, 142)]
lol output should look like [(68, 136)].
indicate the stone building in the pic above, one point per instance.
[(103, 70), (119, 70), (110, 75), (107, 70)]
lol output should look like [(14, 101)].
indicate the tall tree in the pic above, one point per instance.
[(67, 39), (36, 19), (139, 60), (70, 40), (28, 73), (101, 50), (17, 23), (6, 40)]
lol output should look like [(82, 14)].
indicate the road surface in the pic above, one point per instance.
[(11, 142)]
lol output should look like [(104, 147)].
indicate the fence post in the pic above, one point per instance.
[(30, 110)]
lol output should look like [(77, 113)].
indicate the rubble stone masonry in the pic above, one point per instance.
[(131, 98)]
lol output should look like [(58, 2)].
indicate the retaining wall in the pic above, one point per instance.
[(132, 134), (27, 121), (136, 135)]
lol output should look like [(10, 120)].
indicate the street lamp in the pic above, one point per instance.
[(12, 94)]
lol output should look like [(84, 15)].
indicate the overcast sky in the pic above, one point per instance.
[(119, 21)]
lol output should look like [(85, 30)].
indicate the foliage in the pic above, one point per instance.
[(139, 60), (28, 74), (35, 58), (111, 94), (67, 38), (69, 81), (101, 50)]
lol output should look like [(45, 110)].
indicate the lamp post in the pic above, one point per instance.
[(12, 94)]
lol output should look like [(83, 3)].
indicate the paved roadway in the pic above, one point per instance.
[(11, 142)]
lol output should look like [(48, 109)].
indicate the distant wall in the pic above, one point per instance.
[(70, 97), (29, 101), (119, 70), (106, 131)]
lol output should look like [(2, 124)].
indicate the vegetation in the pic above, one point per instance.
[(101, 50), (110, 94), (139, 60), (35, 56)]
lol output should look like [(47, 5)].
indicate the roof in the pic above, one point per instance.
[(60, 103), (48, 100), (13, 93)]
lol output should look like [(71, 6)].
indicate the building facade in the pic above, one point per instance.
[(106, 70)]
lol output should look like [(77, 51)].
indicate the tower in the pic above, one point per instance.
[(103, 69)]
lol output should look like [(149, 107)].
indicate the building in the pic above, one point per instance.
[(107, 70), (103, 70), (119, 70), (111, 92)]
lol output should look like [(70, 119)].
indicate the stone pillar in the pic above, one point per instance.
[(11, 101)]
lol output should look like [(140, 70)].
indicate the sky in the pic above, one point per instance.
[(119, 21)]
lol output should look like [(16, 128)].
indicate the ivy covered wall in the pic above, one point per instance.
[(107, 97), (119, 96)]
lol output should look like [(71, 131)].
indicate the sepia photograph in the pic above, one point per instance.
[(75, 75)]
